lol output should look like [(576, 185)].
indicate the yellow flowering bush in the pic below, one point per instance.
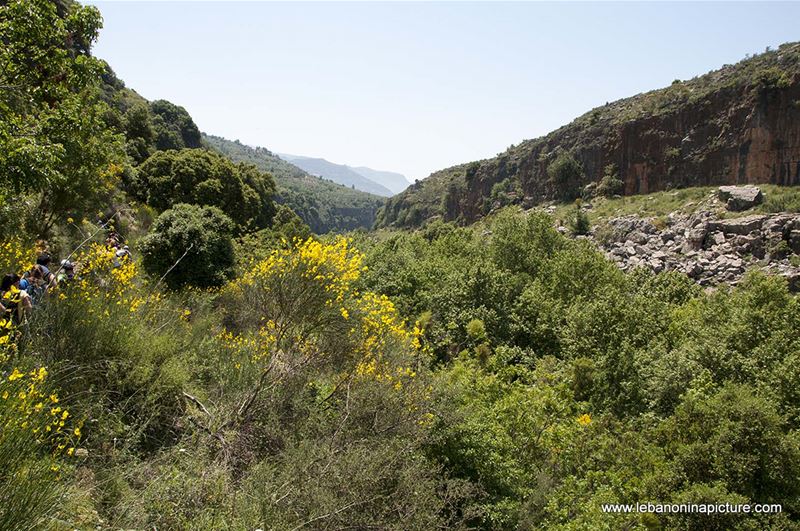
[(16, 256), (380, 330), (333, 267), (26, 405), (302, 299), (101, 276), (37, 435), (299, 307)]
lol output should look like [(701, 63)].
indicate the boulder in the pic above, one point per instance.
[(779, 223), (738, 198), (709, 250), (752, 244), (656, 265), (794, 241), (793, 279), (744, 225), (694, 239)]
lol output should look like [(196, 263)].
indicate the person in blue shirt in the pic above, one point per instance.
[(33, 284), (43, 261)]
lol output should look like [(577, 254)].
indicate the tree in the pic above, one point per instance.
[(174, 127), (53, 137), (139, 132), (190, 245), (204, 177), (579, 221), (737, 439), (565, 176)]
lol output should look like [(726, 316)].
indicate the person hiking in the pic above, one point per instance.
[(66, 272), (33, 283), (16, 304), (43, 260), (113, 240), (122, 255)]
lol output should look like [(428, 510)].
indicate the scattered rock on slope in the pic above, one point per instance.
[(706, 248)]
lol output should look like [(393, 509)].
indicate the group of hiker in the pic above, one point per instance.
[(19, 294)]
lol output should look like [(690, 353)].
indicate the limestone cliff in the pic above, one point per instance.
[(739, 124)]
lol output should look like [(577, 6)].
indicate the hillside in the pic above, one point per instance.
[(155, 126), (324, 205), (738, 124), (338, 173)]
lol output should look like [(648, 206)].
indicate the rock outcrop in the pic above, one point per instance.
[(708, 249)]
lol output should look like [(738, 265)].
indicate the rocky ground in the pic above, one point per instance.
[(709, 249)]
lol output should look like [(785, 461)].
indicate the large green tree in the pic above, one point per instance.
[(206, 178), (54, 140), (565, 175), (173, 126)]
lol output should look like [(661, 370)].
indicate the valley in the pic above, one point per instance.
[(199, 334)]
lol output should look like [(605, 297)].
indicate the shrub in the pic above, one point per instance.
[(286, 227), (522, 244), (327, 374), (737, 439), (610, 185), (785, 201), (476, 330), (774, 78), (299, 309), (579, 222), (101, 333), (36, 433), (190, 245)]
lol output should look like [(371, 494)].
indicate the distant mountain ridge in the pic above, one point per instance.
[(323, 204), (377, 182), (738, 124), (396, 182)]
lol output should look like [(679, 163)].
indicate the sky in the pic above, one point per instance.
[(417, 87)]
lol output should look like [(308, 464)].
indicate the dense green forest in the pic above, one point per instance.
[(186, 354)]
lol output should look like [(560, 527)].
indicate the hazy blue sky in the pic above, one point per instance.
[(417, 87)]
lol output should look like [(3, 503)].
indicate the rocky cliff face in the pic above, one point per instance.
[(739, 124)]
